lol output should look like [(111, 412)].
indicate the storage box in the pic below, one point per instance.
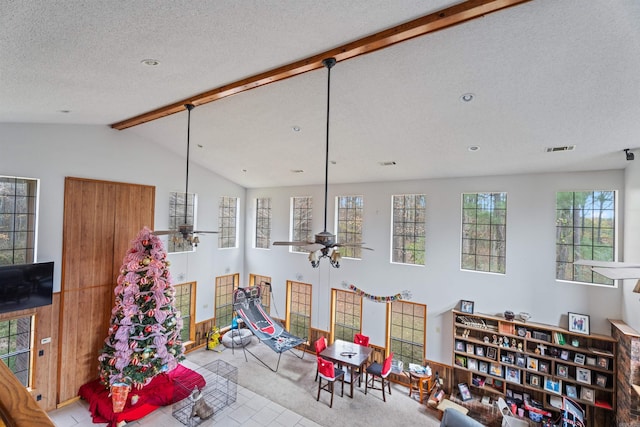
[(508, 419)]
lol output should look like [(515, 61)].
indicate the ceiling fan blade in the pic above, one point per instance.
[(291, 243), (312, 247), (205, 232), (164, 232)]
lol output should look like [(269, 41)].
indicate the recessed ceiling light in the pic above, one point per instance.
[(296, 128), (473, 147), (150, 62), (200, 145), (64, 111), (244, 170), (467, 97)]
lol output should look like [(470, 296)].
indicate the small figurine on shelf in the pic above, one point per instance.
[(495, 340), (509, 315), (486, 339), (513, 342)]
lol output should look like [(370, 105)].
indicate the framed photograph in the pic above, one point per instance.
[(466, 306), (483, 367), (512, 375), (459, 346), (521, 361), (579, 359), (492, 353), (587, 394), (562, 371), (465, 394), (603, 362), (517, 396), (591, 361), (495, 369), (532, 363), (534, 380), (564, 355), (601, 380), (509, 393), (543, 366), (552, 385), (470, 348), (472, 364), (583, 375), (461, 361), (479, 351), (571, 391), (579, 323)]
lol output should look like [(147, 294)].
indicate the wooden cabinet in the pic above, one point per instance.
[(514, 359)]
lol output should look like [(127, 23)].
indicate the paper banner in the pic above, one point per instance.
[(404, 295)]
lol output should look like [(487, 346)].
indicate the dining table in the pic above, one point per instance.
[(353, 356)]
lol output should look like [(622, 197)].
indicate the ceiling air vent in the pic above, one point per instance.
[(390, 163), (562, 148)]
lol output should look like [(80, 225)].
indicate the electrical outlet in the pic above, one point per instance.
[(41, 353), (39, 397)]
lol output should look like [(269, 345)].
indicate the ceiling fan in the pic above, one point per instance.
[(185, 230), (324, 245)]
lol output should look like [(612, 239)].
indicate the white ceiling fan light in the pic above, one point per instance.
[(325, 245)]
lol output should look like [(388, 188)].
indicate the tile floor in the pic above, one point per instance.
[(249, 410)]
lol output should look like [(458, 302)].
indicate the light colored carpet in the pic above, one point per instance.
[(294, 388)]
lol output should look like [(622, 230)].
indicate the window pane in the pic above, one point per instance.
[(407, 331), (484, 232), (225, 285), (409, 216), (17, 220), (15, 346), (227, 237), (263, 223), (302, 217), (181, 212)]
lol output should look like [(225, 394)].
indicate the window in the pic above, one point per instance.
[(346, 314), (18, 205), (225, 285), (15, 346), (265, 290), (228, 217), (263, 222), (186, 304), (585, 229), (301, 219), (182, 211), (298, 309), (407, 326), (350, 225), (484, 232), (409, 218)]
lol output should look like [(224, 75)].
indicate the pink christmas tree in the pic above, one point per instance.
[(144, 337)]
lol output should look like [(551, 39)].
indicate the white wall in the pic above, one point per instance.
[(52, 152), (528, 285), (631, 305)]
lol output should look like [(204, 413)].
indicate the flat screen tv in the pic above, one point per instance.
[(25, 286)]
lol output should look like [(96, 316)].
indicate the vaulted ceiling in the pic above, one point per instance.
[(543, 74)]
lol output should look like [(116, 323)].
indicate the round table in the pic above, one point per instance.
[(418, 380)]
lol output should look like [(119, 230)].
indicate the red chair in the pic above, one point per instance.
[(331, 374), (361, 339), (320, 345), (379, 372)]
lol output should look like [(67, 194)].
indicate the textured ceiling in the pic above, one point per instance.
[(545, 73)]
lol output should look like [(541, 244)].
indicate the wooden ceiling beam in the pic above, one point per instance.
[(442, 19)]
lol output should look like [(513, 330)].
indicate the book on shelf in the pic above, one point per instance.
[(603, 404)]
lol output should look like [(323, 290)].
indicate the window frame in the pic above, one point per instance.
[(265, 290), (191, 323), (301, 230), (416, 236), (175, 243), (304, 289), (349, 230), (31, 318), (585, 269), (399, 355), (228, 233), (223, 301), (356, 301), (32, 196), (263, 224)]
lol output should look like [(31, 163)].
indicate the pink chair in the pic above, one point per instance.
[(330, 374), (379, 372), (361, 339), (320, 345)]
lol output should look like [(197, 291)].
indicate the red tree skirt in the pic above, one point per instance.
[(159, 392)]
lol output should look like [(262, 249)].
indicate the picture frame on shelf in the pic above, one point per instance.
[(512, 375), (587, 394), (564, 354), (603, 362), (572, 391), (465, 394), (479, 351), (590, 361), (470, 348), (583, 375), (517, 396), (578, 323), (495, 369), (459, 345), (579, 358), (492, 353), (472, 364), (466, 306), (543, 367), (461, 361), (562, 371), (483, 367), (532, 363), (552, 385), (534, 380), (601, 380), (509, 393), (521, 361)]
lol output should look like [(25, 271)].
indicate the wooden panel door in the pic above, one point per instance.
[(100, 220)]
